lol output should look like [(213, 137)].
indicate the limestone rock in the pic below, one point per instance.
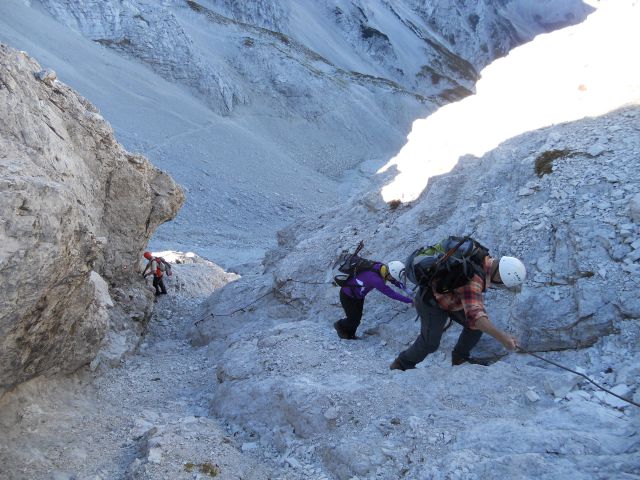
[(47, 76), (634, 208), (75, 216)]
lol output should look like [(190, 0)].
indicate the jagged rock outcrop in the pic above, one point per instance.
[(76, 212), (154, 35), (434, 51)]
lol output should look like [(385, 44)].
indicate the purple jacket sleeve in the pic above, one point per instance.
[(379, 285)]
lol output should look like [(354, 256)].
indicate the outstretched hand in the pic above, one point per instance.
[(510, 342)]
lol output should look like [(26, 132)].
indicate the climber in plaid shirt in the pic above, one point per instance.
[(464, 305)]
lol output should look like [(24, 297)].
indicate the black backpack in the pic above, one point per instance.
[(351, 264), (447, 265)]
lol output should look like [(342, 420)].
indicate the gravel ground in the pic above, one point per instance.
[(146, 418)]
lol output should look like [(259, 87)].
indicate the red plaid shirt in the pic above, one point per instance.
[(468, 297)]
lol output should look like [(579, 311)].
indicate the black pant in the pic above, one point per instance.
[(158, 284), (353, 309), (432, 322)]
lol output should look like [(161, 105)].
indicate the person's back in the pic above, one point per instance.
[(156, 268), (465, 306), (354, 291), (361, 284)]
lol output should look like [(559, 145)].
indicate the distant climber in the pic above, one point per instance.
[(355, 287), (157, 267), (464, 305)]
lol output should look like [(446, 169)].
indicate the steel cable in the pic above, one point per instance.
[(522, 350)]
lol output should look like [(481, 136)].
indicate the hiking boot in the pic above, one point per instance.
[(458, 359), (396, 365), (341, 333), (485, 362)]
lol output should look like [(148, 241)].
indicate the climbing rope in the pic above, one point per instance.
[(522, 350), (230, 314), (307, 283), (244, 309)]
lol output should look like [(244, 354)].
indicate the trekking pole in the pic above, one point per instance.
[(345, 253), (522, 350)]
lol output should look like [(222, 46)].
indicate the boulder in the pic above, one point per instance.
[(76, 211)]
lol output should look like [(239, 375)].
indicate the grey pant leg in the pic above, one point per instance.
[(432, 321), (468, 338)]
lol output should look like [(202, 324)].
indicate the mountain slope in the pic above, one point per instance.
[(428, 49), (275, 139), (267, 389), (287, 382), (565, 199)]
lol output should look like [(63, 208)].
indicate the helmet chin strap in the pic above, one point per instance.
[(495, 267)]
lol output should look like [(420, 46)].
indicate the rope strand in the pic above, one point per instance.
[(522, 350), (242, 309), (230, 314)]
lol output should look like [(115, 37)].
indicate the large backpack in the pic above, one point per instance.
[(447, 265), (163, 266), (351, 264)]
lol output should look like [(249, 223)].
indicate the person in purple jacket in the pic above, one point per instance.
[(356, 288)]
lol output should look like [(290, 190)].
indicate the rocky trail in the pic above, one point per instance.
[(146, 418), (149, 417)]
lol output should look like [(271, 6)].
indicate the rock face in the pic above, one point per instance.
[(570, 187), (75, 214), (562, 199)]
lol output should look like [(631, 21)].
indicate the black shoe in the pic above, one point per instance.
[(457, 359), (341, 333), (396, 365), (480, 361), (157, 293)]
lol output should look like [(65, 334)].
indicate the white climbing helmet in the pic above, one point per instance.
[(512, 271), (396, 270)]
